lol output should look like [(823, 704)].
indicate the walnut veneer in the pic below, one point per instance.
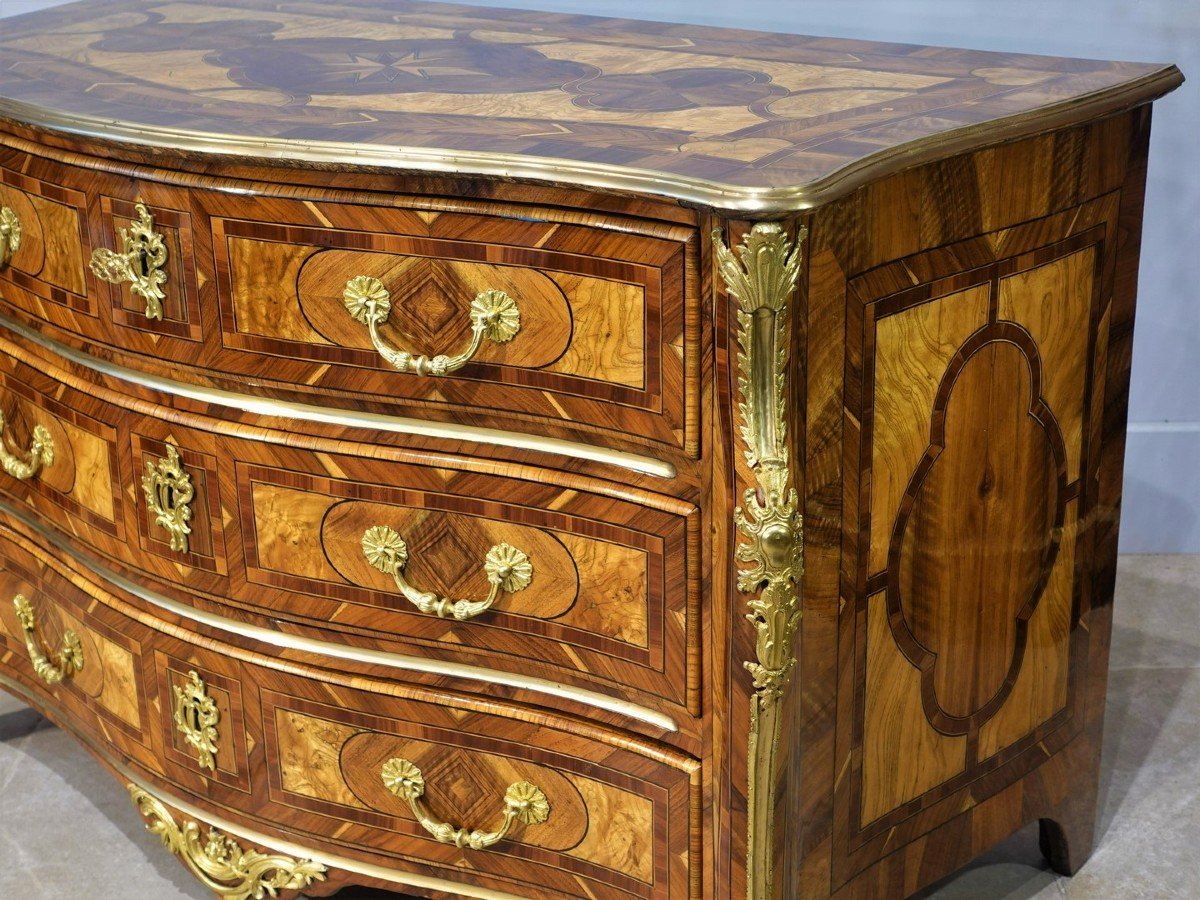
[(506, 455)]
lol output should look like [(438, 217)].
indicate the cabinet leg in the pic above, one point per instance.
[(1066, 841)]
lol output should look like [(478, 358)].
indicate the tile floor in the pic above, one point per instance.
[(67, 828)]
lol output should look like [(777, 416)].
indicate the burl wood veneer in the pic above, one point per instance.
[(497, 454)]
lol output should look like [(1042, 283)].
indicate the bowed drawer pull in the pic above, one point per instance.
[(494, 315), (10, 234), (523, 802), (506, 567), (70, 657), (140, 262), (41, 453)]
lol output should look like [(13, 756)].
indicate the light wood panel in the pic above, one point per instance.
[(903, 756), (913, 348), (1051, 303)]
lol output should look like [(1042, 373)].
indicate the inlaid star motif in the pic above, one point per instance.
[(384, 66)]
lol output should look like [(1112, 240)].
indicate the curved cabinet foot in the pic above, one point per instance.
[(1067, 842)]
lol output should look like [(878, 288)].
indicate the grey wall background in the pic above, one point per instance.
[(1162, 473)]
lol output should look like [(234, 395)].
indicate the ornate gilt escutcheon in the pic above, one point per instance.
[(762, 276), (506, 567), (10, 234), (219, 862), (40, 455), (169, 493), (140, 262), (494, 315), (70, 657), (196, 718), (523, 802)]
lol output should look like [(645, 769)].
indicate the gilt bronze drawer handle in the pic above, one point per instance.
[(70, 658), (10, 234), (41, 453), (506, 567), (140, 262), (196, 718), (169, 494), (523, 802), (494, 315)]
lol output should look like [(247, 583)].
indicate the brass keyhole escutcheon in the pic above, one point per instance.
[(169, 492)]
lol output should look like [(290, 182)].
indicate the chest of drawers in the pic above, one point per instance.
[(507, 455)]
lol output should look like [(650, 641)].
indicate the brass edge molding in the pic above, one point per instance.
[(286, 641), (218, 861), (196, 718), (330, 861), (762, 276), (718, 195), (304, 412)]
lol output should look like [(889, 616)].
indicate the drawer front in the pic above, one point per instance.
[(461, 565), (414, 781), (586, 324), (43, 240)]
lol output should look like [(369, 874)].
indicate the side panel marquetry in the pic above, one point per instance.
[(981, 387)]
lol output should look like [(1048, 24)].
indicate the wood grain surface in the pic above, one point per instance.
[(955, 397), (609, 344), (300, 753), (277, 533), (959, 561), (744, 110)]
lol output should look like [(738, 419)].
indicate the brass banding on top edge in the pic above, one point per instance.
[(734, 198)]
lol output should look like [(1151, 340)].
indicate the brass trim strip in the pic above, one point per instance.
[(306, 412), (761, 275), (255, 837), (286, 641), (733, 198)]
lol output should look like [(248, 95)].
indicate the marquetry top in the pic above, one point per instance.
[(736, 119)]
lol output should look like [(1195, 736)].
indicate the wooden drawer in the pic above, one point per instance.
[(597, 333), (317, 756), (43, 240), (585, 587)]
